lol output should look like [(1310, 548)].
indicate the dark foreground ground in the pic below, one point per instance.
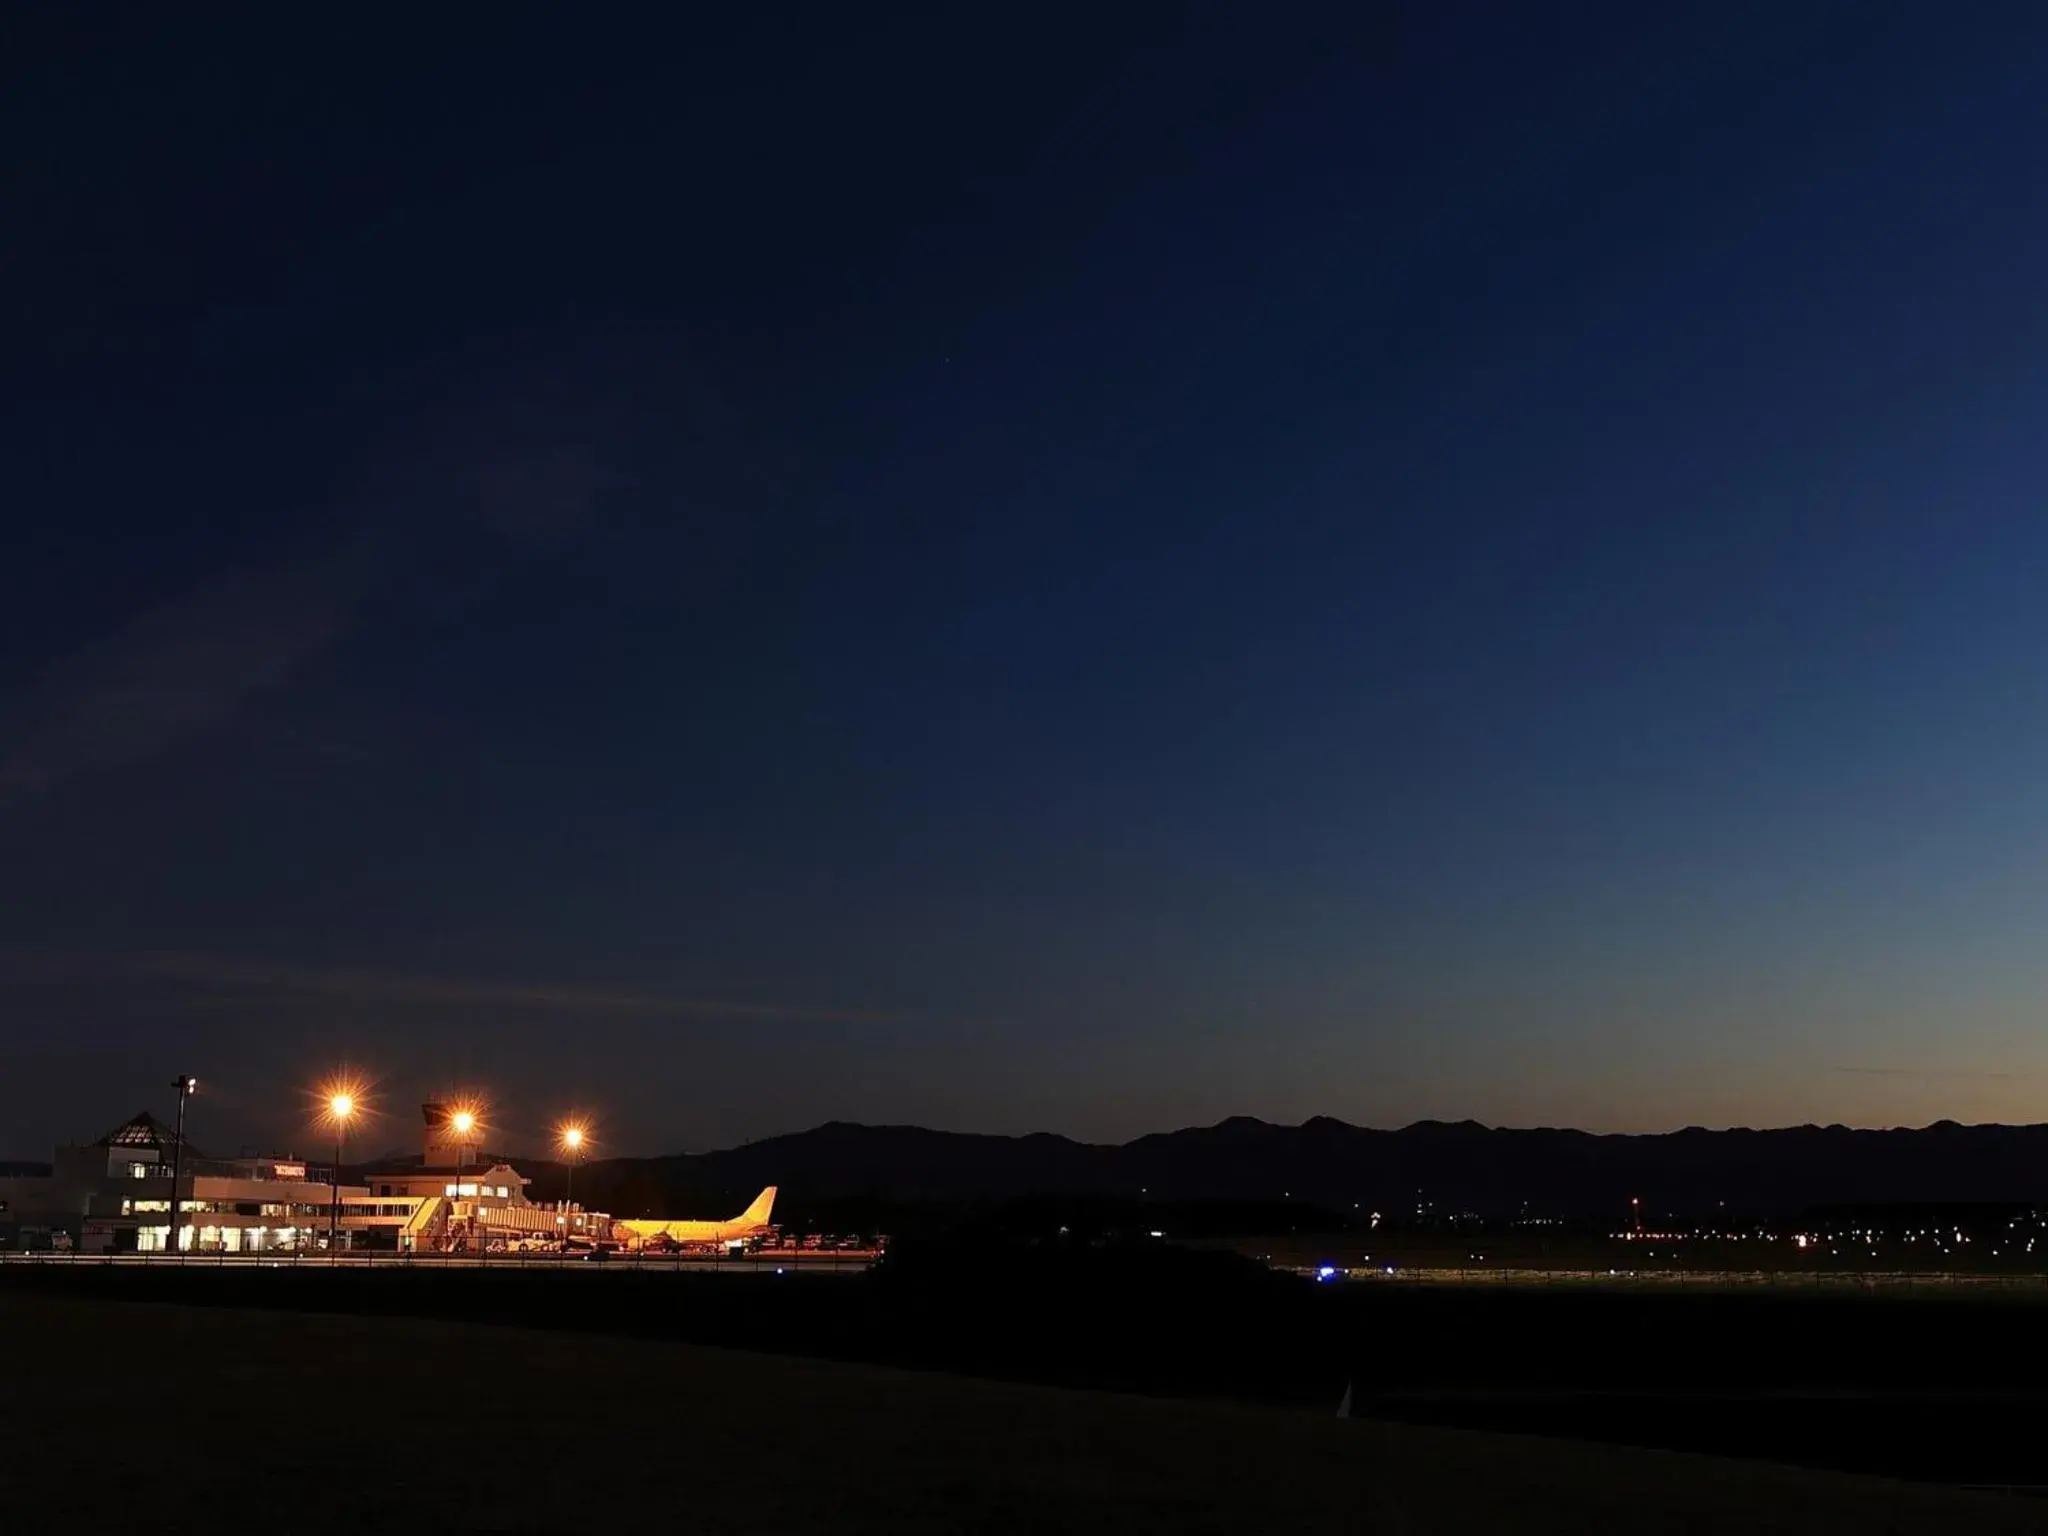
[(1941, 1388), (137, 1415)]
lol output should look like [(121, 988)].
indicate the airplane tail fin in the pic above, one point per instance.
[(756, 1215)]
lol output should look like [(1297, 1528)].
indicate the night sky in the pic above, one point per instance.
[(1083, 570)]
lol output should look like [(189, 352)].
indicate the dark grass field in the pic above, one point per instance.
[(139, 1415), (1945, 1389)]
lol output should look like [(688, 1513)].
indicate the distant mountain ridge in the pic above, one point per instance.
[(1450, 1166)]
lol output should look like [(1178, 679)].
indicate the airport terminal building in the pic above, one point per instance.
[(115, 1195)]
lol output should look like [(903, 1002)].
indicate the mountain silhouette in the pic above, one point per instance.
[(1447, 1166)]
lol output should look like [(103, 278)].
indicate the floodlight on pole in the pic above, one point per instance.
[(462, 1121), (341, 1108), (186, 1085), (572, 1143)]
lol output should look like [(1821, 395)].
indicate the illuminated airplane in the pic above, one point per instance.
[(751, 1222)]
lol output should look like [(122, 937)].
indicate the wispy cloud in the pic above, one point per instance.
[(239, 982), (189, 666)]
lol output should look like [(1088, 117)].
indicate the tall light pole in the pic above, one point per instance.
[(462, 1122), (340, 1108), (187, 1085), (572, 1143)]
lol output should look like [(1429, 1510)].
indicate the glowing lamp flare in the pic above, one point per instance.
[(342, 1105)]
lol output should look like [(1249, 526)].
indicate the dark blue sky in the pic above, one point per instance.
[(1084, 570)]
